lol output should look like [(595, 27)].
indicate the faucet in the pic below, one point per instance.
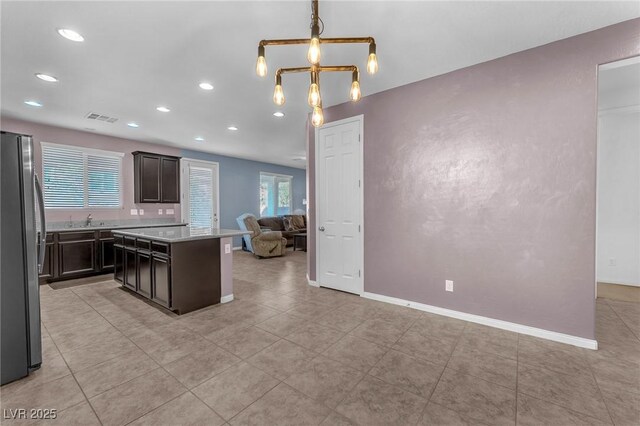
[(89, 219)]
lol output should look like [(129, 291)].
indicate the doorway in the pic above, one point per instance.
[(200, 193), (339, 206), (618, 180)]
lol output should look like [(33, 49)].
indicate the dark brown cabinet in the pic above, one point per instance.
[(170, 180), (144, 272), (130, 269), (76, 253), (161, 272), (118, 267), (106, 250), (156, 178), (182, 276)]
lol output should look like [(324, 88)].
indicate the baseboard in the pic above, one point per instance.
[(226, 299), (491, 322), (627, 283), (311, 282)]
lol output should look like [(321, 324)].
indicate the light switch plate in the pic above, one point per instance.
[(169, 211), (141, 212), (159, 211), (448, 285), (227, 248), (134, 212)]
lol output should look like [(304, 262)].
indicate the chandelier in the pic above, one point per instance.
[(314, 97)]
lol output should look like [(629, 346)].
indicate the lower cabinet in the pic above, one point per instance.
[(144, 272), (182, 276), (118, 260), (130, 269), (161, 273), (76, 254), (106, 253)]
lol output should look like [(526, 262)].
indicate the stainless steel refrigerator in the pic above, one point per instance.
[(21, 211)]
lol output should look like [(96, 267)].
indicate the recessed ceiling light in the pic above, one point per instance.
[(232, 128), (278, 114), (199, 138), (206, 86), (33, 103), (163, 109), (134, 125), (46, 77), (70, 34)]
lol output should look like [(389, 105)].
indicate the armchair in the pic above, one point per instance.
[(263, 244)]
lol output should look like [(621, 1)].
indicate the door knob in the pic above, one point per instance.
[(321, 229)]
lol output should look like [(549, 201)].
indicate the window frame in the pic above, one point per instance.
[(86, 152), (276, 176)]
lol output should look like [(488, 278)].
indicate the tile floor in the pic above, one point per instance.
[(285, 353)]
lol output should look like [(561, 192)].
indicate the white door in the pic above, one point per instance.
[(339, 205), (200, 203)]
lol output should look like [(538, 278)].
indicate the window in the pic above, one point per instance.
[(275, 194), (75, 177)]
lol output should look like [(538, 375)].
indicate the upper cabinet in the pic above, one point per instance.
[(156, 178)]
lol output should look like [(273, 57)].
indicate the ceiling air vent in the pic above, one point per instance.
[(101, 117)]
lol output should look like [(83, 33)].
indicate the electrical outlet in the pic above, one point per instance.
[(159, 211), (448, 285), (169, 211), (141, 212), (134, 212), (227, 248), (612, 262)]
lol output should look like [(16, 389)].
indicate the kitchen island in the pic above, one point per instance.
[(181, 268)]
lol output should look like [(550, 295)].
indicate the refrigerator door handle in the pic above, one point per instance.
[(43, 232)]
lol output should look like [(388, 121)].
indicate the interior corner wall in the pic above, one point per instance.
[(60, 135), (240, 186), (618, 259), (487, 176)]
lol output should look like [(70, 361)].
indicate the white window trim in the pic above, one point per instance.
[(87, 151), (278, 175)]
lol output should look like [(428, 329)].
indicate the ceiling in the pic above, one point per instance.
[(138, 55)]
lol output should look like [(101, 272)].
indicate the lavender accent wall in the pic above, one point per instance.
[(487, 176), (44, 133)]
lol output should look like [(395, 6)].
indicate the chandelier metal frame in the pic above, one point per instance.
[(315, 69)]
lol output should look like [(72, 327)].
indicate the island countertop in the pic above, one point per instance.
[(176, 234)]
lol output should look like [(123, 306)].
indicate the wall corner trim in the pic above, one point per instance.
[(491, 322), (226, 299), (311, 282)]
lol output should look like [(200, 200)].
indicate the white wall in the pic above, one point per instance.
[(618, 241)]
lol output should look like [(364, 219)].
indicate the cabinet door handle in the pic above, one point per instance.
[(321, 229)]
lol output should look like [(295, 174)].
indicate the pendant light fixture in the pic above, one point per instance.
[(314, 54)]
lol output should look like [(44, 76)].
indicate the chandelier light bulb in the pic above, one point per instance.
[(355, 93), (278, 95), (317, 118), (372, 64), (314, 95), (313, 55), (261, 64)]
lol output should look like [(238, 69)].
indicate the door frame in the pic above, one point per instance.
[(184, 186), (360, 120)]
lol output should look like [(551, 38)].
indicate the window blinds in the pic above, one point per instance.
[(75, 177), (200, 197)]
